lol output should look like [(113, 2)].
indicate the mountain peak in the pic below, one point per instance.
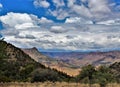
[(34, 48)]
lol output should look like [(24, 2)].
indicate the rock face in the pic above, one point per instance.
[(35, 54)]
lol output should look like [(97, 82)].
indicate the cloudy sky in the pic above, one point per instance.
[(74, 25)]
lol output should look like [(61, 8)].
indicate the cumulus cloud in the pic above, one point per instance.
[(110, 22), (60, 14), (10, 32), (99, 8), (95, 10), (81, 10), (26, 37), (45, 20), (65, 36), (24, 26), (78, 20), (26, 30), (58, 3), (58, 29), (16, 19), (22, 20), (41, 3)]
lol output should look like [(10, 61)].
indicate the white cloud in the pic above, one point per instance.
[(58, 3), (99, 7), (23, 30), (1, 6), (58, 29), (110, 22), (68, 37), (60, 14), (13, 19), (24, 26), (45, 20), (22, 20), (95, 10), (71, 3), (78, 20), (81, 10), (41, 3)]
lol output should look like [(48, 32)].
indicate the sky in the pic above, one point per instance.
[(67, 25)]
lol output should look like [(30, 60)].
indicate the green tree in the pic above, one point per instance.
[(87, 74), (104, 76), (90, 75), (115, 70), (41, 75)]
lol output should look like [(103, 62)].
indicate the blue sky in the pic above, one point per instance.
[(76, 25)]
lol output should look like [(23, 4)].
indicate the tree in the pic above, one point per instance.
[(41, 75), (104, 76), (115, 70), (90, 75), (87, 74)]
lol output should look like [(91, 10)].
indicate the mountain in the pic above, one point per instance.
[(51, 62), (79, 59), (15, 65), (36, 55), (72, 61)]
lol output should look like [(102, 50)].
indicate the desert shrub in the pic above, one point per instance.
[(90, 75), (115, 70)]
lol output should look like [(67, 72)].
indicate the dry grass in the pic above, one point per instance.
[(67, 70), (50, 84)]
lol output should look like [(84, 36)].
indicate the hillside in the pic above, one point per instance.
[(72, 61), (37, 56), (15, 65), (51, 62)]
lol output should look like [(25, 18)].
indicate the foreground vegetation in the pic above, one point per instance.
[(101, 75), (51, 84)]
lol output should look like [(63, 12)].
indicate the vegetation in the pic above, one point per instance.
[(15, 65), (115, 70), (51, 84), (102, 75)]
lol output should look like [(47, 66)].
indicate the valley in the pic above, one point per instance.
[(71, 62)]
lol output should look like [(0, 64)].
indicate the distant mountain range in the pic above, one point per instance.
[(72, 61), (80, 59)]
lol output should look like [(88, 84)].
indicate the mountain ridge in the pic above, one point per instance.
[(15, 65), (72, 61)]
